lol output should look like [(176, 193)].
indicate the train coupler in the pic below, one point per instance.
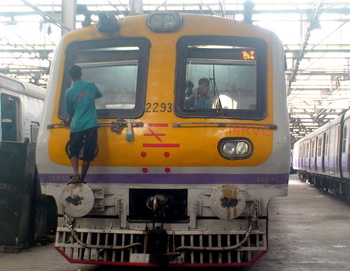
[(157, 247)]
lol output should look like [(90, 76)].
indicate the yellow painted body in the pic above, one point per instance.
[(192, 146)]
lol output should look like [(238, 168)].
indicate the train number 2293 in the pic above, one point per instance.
[(159, 107)]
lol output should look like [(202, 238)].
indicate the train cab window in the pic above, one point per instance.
[(234, 70), (9, 117), (118, 67)]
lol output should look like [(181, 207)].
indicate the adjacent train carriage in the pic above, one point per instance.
[(170, 184), (322, 157), (21, 108)]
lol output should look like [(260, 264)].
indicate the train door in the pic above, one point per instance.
[(331, 151), (345, 151), (10, 117), (300, 155), (303, 156), (337, 153), (318, 158), (334, 143), (326, 153), (323, 150), (307, 160), (312, 154)]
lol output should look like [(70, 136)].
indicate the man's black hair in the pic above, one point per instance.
[(74, 72), (203, 80)]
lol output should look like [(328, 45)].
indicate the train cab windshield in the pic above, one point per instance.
[(224, 77), (118, 67)]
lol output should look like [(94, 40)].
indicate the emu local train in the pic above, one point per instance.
[(323, 159), (170, 184)]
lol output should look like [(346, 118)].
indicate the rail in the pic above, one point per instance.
[(116, 126), (224, 124)]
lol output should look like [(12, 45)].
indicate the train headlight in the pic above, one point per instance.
[(235, 148), (164, 21)]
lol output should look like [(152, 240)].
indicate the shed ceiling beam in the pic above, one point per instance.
[(45, 15), (300, 55), (147, 8)]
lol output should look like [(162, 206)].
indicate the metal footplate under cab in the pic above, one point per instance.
[(233, 240), (114, 247)]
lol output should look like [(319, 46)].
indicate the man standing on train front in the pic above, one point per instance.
[(82, 118)]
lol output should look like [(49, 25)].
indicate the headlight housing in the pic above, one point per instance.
[(235, 148), (164, 21)]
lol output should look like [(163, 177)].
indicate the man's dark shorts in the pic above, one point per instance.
[(86, 139)]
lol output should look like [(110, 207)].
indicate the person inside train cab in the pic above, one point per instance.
[(200, 98), (189, 88), (82, 119)]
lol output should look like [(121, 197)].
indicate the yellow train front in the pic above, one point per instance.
[(171, 183)]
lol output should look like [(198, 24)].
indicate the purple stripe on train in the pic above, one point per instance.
[(174, 178)]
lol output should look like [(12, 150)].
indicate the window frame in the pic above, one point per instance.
[(141, 81), (261, 63)]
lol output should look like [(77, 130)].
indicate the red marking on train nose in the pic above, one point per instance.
[(174, 145), (143, 154), (166, 154), (167, 170), (158, 136), (145, 170)]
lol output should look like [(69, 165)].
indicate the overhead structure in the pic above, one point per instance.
[(69, 8), (315, 33)]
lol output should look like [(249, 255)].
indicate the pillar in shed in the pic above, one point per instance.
[(136, 6), (68, 14)]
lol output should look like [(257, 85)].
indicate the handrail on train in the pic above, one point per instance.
[(120, 123), (116, 126), (223, 124)]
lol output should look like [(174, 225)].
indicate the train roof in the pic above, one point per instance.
[(141, 20), (325, 127), (347, 115), (25, 88)]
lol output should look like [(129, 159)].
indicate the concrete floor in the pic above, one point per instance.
[(41, 258), (309, 231)]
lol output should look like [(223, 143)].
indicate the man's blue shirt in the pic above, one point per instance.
[(199, 103), (80, 103)]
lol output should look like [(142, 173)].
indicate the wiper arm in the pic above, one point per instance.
[(218, 106)]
